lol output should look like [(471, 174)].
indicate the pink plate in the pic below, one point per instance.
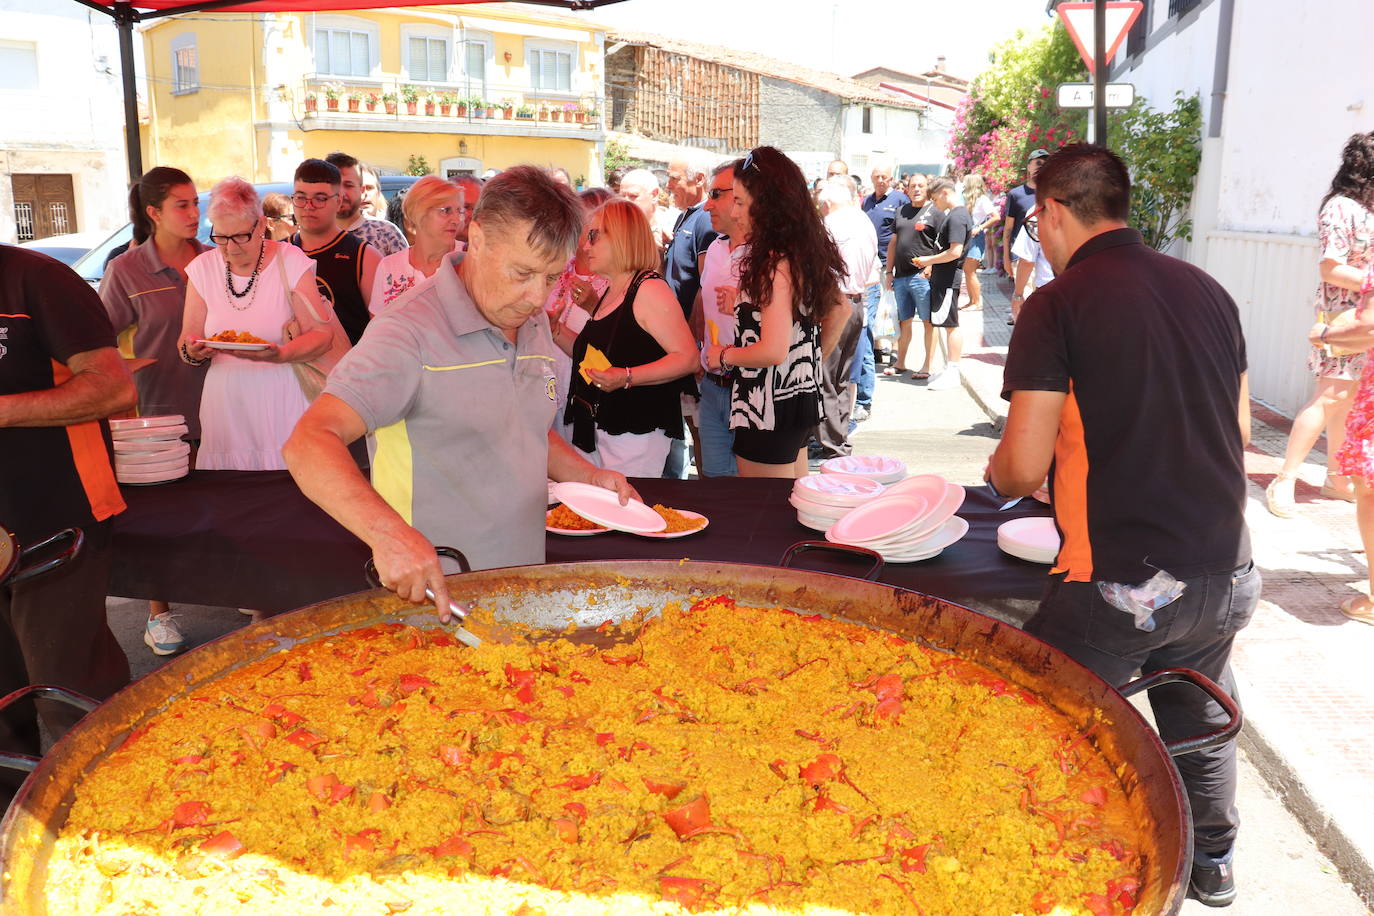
[(930, 487), (878, 519), (836, 489), (231, 345), (876, 467), (571, 532), (602, 506)]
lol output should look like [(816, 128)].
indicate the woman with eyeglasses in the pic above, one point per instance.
[(433, 213), (789, 283), (251, 400), (623, 414), (570, 305)]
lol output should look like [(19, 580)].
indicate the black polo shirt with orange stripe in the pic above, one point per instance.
[(1148, 470), (51, 477)]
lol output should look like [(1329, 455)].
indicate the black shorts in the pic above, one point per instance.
[(938, 292), (771, 446)]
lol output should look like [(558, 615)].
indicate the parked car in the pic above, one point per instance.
[(67, 248), (91, 266)]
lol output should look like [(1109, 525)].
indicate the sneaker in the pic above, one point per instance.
[(1278, 496), (860, 414), (162, 634), (1213, 883), (945, 379)]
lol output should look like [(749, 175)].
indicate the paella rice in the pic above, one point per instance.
[(561, 516), (717, 758)]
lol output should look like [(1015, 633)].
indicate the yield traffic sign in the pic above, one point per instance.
[(1078, 19)]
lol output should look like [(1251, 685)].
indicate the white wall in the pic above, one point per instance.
[(73, 121), (898, 136), (1182, 59)]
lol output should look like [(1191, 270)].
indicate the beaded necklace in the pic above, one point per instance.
[(252, 282)]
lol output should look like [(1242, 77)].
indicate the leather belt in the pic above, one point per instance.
[(722, 381)]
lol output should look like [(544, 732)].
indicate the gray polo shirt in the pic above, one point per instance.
[(457, 419)]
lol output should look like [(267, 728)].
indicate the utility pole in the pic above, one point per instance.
[(1100, 72)]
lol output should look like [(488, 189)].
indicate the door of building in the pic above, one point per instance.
[(44, 205)]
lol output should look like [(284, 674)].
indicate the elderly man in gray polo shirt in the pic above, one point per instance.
[(454, 386)]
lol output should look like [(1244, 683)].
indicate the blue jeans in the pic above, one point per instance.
[(865, 370), (713, 428), (913, 297)]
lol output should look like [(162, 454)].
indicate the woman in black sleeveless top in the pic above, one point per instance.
[(622, 416)]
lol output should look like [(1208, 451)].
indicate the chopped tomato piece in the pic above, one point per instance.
[(889, 708), (378, 802), (604, 738), (684, 891), (824, 767), (224, 844), (1044, 902), (1098, 904), (567, 828), (328, 788), (410, 683), (914, 859), (691, 816), (888, 687), (454, 757), (305, 739), (579, 782), (189, 814), (453, 846), (577, 810), (1097, 795)]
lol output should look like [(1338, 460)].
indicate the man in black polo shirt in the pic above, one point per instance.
[(1020, 199), (945, 269), (1126, 375), (345, 265), (915, 233), (60, 376)]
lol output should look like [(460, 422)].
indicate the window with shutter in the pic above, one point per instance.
[(342, 52), (550, 70), (428, 59), (185, 65), (475, 66)]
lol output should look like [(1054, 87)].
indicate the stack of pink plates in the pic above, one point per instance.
[(150, 449), (914, 520), (874, 467), (823, 499)]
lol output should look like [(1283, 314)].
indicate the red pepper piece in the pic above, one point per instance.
[(303, 672), (1098, 904), (577, 810), (1096, 795), (277, 770), (305, 739), (914, 859), (579, 782), (224, 844), (189, 814), (691, 816), (189, 759), (361, 841), (453, 846), (1124, 890), (454, 757), (668, 790), (409, 683), (684, 891), (823, 768), (1043, 902), (826, 803), (604, 738)]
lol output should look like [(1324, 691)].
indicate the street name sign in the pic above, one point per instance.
[(1081, 95), (1078, 19)]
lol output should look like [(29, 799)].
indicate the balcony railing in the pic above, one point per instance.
[(404, 102)]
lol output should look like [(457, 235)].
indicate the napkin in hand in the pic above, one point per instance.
[(594, 359)]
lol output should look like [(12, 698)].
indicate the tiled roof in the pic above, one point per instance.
[(832, 83), (944, 96)]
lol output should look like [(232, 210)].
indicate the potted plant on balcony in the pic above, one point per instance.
[(312, 101), (429, 103), (355, 101), (524, 113), (445, 103), (573, 112), (411, 96), (555, 113), (593, 115), (389, 102), (507, 109), (371, 100), (331, 96), (543, 112)]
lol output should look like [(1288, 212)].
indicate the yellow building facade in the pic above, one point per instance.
[(446, 89)]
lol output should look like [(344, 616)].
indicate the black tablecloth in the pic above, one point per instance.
[(252, 540)]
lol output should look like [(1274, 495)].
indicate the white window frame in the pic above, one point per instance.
[(572, 49), (185, 42), (459, 67), (32, 47), (347, 24), (431, 33)]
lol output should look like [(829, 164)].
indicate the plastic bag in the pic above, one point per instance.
[(1141, 601), (885, 324)]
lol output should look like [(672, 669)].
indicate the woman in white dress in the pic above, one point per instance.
[(251, 400), (434, 214)]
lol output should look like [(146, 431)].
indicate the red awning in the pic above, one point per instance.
[(151, 9)]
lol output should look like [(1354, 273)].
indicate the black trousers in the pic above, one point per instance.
[(53, 630), (1196, 632), (837, 386)]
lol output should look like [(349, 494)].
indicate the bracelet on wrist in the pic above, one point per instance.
[(725, 366), (186, 357), (629, 377)]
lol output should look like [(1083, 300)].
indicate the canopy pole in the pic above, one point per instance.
[(1100, 71), (124, 18)]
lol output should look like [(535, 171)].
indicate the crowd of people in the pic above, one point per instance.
[(482, 338)]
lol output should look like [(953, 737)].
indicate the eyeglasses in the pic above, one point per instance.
[(1040, 206), (312, 202), (593, 235), (446, 212), (240, 238), (717, 192)]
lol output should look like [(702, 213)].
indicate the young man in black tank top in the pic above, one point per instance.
[(344, 265)]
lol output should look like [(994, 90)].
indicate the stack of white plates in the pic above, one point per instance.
[(150, 449), (914, 520), (1035, 539), (874, 467), (823, 499)]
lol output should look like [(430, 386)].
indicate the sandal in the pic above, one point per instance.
[(894, 370), (920, 376), (1346, 492), (1355, 610), (1278, 496)]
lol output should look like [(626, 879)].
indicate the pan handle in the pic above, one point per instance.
[(74, 535), (1188, 676), (453, 553), (23, 762), (862, 552)]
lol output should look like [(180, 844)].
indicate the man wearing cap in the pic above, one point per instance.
[(455, 389), (1020, 199)]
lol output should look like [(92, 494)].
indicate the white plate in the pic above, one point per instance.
[(229, 345), (173, 419), (167, 451), (876, 467), (836, 489), (143, 446), (669, 535), (571, 532), (602, 506), (952, 530), (815, 523), (179, 465), (819, 510), (889, 557), (1034, 539), (152, 432), (878, 520)]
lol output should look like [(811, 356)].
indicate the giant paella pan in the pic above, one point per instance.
[(748, 739)]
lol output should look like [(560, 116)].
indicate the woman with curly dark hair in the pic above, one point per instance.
[(788, 285), (1345, 226)]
